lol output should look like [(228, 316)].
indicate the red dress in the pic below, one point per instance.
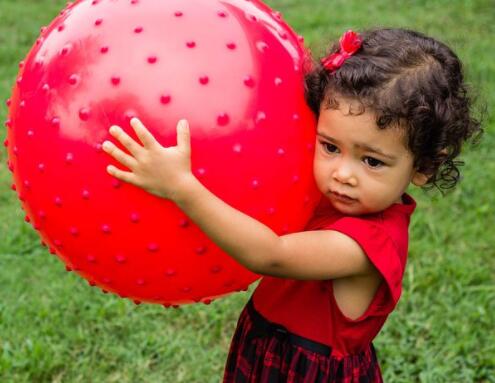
[(294, 331)]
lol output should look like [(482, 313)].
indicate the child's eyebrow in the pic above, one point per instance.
[(376, 150), (363, 145)]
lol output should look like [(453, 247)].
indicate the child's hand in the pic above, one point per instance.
[(158, 170)]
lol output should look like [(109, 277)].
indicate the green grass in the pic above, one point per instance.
[(54, 328)]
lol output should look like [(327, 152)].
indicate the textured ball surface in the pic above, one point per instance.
[(233, 68)]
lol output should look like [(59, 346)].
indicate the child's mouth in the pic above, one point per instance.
[(342, 197)]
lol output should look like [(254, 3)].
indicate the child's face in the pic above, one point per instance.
[(359, 167)]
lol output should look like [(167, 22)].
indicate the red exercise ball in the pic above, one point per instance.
[(232, 68)]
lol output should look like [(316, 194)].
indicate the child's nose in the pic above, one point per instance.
[(345, 174)]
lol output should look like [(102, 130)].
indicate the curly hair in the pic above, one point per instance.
[(409, 80)]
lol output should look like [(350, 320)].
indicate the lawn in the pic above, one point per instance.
[(55, 328)]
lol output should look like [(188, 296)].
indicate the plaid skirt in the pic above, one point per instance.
[(265, 352)]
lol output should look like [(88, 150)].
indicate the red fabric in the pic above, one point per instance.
[(269, 356), (309, 309), (350, 42)]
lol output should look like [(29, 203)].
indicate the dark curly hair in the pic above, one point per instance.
[(409, 80)]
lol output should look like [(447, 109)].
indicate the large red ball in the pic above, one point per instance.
[(233, 68)]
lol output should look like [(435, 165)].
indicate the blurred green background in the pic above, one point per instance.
[(54, 328)]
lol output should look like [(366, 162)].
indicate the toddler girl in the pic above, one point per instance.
[(392, 110)]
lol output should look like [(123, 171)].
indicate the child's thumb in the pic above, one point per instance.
[(183, 135)]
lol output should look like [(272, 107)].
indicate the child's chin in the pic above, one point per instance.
[(348, 209)]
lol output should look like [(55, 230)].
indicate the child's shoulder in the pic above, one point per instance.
[(326, 215)]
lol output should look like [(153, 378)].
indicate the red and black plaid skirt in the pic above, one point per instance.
[(265, 352)]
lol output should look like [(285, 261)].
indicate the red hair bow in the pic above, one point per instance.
[(350, 42)]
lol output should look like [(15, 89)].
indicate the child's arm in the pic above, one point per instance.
[(166, 173)]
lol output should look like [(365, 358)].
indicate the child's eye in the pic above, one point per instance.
[(330, 148), (373, 162)]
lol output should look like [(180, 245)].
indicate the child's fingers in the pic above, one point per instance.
[(144, 135), (132, 146), (184, 136), (125, 159), (128, 177)]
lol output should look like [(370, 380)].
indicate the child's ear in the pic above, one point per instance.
[(419, 179)]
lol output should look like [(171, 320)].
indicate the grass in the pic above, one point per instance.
[(54, 328)]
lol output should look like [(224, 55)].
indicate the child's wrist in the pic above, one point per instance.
[(185, 189)]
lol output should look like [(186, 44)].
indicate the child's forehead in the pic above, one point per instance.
[(347, 115), (359, 129)]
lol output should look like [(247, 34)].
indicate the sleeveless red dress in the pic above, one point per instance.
[(294, 331)]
